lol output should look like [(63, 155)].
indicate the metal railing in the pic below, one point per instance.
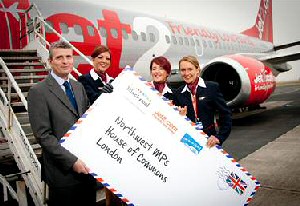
[(39, 32), (24, 155), (12, 83)]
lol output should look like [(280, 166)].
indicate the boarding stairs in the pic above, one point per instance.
[(26, 68), (19, 70)]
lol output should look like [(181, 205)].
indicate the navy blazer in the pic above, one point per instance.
[(210, 102), (91, 86), (169, 94)]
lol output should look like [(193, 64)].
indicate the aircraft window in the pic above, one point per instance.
[(134, 36), (197, 42), (152, 37), (125, 34), (186, 41), (215, 44), (227, 46), (174, 40), (90, 29), (204, 43), (143, 35), (47, 28), (192, 42), (168, 39), (114, 33), (220, 45), (180, 40), (78, 30), (103, 32), (64, 28)]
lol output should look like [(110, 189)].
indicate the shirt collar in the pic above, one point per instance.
[(165, 90), (201, 83), (58, 79), (95, 76)]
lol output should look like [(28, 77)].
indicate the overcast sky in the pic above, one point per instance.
[(228, 15)]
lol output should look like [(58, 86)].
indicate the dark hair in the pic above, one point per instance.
[(99, 50), (58, 45), (162, 62)]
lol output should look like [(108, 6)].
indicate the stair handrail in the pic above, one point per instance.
[(6, 184), (24, 155), (41, 36), (64, 39), (14, 84)]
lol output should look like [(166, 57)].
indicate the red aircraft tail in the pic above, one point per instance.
[(263, 28)]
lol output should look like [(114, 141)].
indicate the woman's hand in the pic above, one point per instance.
[(182, 110), (212, 141)]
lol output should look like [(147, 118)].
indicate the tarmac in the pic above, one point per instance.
[(277, 167)]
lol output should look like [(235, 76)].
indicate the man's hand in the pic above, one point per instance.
[(80, 167), (107, 88), (212, 141)]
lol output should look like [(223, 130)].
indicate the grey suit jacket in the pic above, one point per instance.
[(51, 115)]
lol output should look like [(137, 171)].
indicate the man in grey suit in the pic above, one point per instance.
[(54, 105)]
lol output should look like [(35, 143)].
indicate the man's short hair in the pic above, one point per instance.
[(58, 45)]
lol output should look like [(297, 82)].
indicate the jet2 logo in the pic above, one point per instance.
[(12, 18), (91, 37)]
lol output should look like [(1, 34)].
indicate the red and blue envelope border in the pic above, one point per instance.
[(115, 191)]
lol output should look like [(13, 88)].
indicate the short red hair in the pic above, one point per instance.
[(99, 50), (162, 62)]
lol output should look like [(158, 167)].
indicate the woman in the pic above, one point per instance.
[(160, 69), (97, 81), (203, 101)]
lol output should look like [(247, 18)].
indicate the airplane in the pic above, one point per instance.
[(244, 64)]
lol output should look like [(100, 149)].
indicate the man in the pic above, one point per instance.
[(203, 101), (54, 105)]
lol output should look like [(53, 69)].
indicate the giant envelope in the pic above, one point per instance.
[(140, 148)]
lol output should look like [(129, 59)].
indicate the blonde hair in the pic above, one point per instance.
[(193, 60)]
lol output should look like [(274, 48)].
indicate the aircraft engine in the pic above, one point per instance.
[(244, 81)]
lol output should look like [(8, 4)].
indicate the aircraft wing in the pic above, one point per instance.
[(282, 53), (285, 46), (277, 58)]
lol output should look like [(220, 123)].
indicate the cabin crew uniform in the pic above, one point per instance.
[(202, 107), (93, 84), (166, 92)]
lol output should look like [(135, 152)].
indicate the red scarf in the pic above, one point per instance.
[(159, 86), (102, 75), (193, 86)]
